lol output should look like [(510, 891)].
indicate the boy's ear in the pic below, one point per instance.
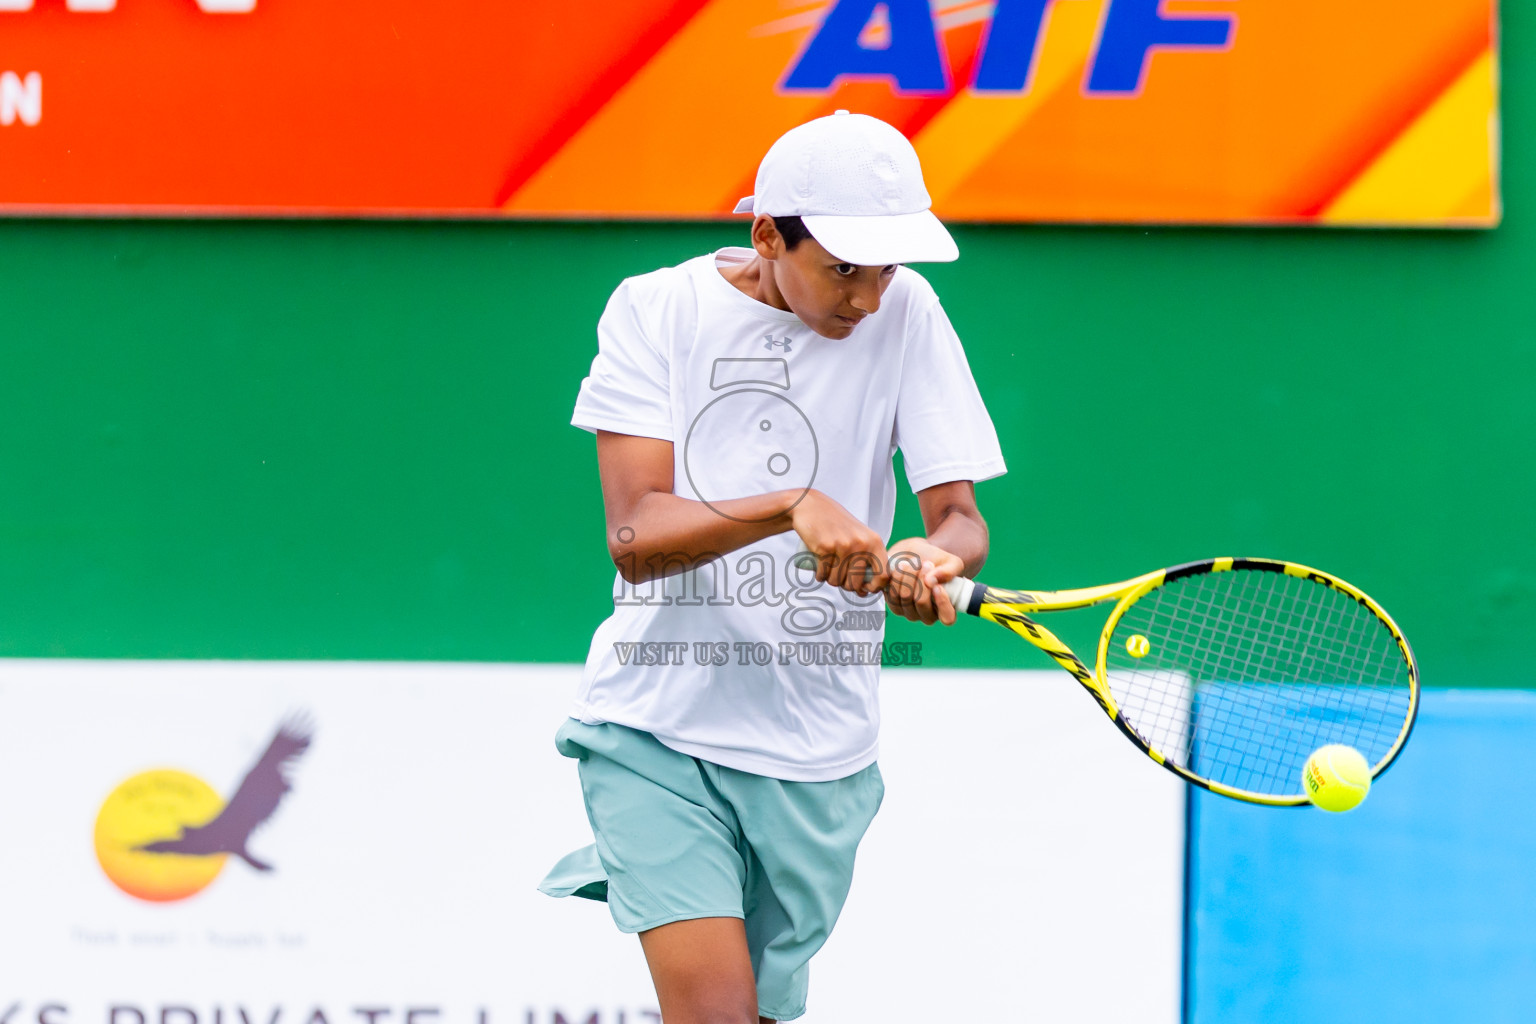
[(766, 239)]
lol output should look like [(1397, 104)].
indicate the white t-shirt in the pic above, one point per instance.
[(754, 401)]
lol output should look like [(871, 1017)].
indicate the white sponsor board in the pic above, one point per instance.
[(1027, 864)]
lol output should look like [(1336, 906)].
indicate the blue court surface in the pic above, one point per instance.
[(1420, 905)]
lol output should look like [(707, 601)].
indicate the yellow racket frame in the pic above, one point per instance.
[(1011, 609)]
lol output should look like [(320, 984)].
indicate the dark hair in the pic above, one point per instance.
[(792, 230)]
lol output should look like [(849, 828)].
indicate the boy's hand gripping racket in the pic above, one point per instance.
[(1230, 671)]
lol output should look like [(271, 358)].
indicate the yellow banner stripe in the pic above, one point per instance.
[(1441, 169)]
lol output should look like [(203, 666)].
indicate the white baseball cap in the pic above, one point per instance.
[(857, 184)]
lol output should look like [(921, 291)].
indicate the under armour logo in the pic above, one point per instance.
[(770, 344)]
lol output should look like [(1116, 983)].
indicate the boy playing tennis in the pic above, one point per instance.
[(745, 403)]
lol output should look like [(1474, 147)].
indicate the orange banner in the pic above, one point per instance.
[(1186, 111)]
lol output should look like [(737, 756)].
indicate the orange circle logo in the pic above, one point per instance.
[(149, 810)]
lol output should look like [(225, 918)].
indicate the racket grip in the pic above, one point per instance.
[(959, 589), (804, 559)]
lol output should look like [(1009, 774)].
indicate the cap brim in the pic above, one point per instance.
[(878, 241), (744, 205)]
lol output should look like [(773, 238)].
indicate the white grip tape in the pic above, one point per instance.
[(959, 590)]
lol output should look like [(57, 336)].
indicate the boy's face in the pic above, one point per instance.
[(830, 296)]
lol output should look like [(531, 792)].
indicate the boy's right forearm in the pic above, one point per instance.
[(665, 534), (660, 534)]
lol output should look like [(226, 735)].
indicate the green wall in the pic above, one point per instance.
[(349, 440)]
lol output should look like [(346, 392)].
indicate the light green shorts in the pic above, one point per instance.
[(679, 838)]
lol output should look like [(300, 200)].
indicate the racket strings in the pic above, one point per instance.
[(1247, 710), (1247, 672)]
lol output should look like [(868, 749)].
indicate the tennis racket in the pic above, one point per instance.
[(1229, 672)]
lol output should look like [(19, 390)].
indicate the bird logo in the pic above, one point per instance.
[(165, 835)]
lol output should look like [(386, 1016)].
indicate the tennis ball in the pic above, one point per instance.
[(1336, 777), (1138, 646)]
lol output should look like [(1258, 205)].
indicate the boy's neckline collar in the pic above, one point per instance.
[(741, 254)]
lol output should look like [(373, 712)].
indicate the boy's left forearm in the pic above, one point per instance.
[(952, 522), (962, 533), (954, 544)]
